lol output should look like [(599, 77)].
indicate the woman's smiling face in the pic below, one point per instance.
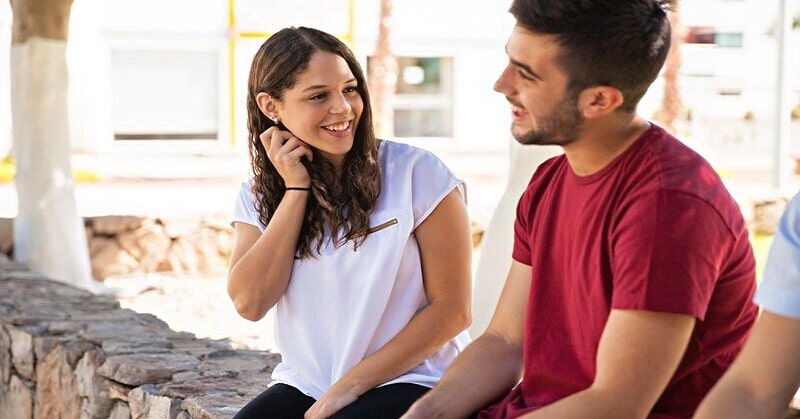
[(323, 107)]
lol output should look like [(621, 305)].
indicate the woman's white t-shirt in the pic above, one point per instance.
[(344, 305)]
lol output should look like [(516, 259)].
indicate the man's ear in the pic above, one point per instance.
[(267, 104), (598, 101)]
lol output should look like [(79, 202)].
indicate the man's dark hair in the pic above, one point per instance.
[(617, 43)]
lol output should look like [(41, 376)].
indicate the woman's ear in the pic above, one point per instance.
[(598, 101), (267, 104)]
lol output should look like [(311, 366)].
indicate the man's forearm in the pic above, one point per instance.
[(486, 371), (735, 400), (588, 403)]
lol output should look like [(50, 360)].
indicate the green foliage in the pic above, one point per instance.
[(761, 244)]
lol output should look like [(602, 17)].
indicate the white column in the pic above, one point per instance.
[(498, 239), (782, 152), (48, 233)]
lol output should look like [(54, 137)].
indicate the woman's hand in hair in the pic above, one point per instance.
[(286, 153)]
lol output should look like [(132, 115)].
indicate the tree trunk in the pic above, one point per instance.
[(671, 105), (382, 76), (48, 233)]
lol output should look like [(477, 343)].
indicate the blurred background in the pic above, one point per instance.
[(156, 121), (153, 84)]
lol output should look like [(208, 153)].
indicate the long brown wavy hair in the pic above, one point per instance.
[(339, 204)]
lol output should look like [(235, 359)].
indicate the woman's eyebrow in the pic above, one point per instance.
[(322, 86)]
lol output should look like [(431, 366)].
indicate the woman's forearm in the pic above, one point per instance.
[(259, 277), (426, 333)]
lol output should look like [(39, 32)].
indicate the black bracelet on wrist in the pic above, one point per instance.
[(297, 188)]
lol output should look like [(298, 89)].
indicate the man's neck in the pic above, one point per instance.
[(602, 141)]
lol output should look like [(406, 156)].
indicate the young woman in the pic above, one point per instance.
[(362, 245)]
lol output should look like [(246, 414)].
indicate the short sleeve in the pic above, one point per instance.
[(521, 252), (533, 197), (668, 251), (780, 289), (431, 181), (244, 209)]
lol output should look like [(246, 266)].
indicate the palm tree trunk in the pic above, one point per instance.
[(671, 105), (48, 233), (382, 75)]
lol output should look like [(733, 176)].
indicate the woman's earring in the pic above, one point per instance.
[(275, 120)]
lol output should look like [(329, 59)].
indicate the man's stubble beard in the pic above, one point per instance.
[(561, 126)]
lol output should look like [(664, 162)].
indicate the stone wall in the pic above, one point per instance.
[(65, 353), (767, 214), (131, 245), (121, 245)]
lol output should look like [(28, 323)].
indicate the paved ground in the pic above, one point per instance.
[(197, 304)]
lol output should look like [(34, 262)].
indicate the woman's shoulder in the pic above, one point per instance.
[(246, 189), (247, 184), (395, 147), (394, 151)]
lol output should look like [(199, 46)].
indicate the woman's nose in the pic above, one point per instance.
[(340, 105)]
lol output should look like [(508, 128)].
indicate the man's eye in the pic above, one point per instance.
[(525, 75)]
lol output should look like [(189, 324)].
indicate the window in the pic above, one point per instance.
[(728, 39), (700, 35), (164, 94), (729, 92), (708, 35), (423, 103)]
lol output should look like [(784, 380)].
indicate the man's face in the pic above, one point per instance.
[(542, 111)]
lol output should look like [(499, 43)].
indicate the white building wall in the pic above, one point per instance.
[(89, 98), (730, 92), (709, 70), (474, 37), (5, 78), (148, 67)]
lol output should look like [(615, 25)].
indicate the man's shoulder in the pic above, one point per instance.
[(670, 150), (548, 167), (682, 174), (678, 166)]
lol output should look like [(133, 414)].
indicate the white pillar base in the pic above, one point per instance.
[(48, 233), (498, 239)]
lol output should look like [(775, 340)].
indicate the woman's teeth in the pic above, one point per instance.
[(340, 127)]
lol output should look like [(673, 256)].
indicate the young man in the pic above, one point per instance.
[(767, 373), (630, 289)]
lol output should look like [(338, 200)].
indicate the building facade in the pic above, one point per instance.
[(173, 74)]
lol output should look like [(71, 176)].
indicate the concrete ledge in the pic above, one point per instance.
[(66, 353)]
